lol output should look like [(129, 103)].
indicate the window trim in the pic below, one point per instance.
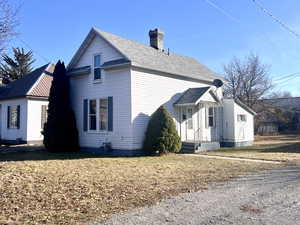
[(97, 130), (99, 80)]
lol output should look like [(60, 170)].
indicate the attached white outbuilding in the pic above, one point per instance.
[(238, 124)]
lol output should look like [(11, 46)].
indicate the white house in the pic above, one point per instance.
[(116, 84), (23, 107)]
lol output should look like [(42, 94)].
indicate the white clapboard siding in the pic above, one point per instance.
[(97, 46), (13, 133), (116, 83), (34, 127), (151, 90)]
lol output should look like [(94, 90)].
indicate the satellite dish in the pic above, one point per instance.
[(218, 83)]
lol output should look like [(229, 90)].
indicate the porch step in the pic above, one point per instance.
[(189, 147)]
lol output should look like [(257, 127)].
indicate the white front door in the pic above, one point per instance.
[(189, 124)]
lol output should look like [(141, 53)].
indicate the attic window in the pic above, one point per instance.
[(97, 65)]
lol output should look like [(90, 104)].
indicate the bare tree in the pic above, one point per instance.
[(248, 80), (8, 23)]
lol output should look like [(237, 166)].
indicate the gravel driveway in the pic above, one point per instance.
[(268, 197)]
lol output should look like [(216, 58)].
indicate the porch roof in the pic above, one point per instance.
[(193, 95)]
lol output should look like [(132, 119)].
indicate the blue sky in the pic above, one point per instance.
[(55, 29)]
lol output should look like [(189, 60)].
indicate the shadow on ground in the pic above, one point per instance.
[(283, 148), (29, 153)]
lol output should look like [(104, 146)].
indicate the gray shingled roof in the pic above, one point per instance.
[(191, 96), (116, 62), (22, 86), (144, 56)]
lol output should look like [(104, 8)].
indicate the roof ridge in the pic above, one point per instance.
[(145, 45)]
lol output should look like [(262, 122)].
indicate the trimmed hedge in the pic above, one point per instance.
[(161, 135)]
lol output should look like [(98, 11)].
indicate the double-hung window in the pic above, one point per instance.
[(98, 114), (92, 114), (97, 67), (103, 114)]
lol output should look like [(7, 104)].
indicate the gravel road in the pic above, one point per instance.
[(268, 197)]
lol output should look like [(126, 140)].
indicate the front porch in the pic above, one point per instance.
[(199, 123)]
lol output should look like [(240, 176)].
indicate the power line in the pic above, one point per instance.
[(286, 76), (222, 11), (281, 23)]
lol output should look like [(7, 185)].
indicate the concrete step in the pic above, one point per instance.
[(188, 147)]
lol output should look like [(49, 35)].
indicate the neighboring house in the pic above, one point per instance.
[(23, 106), (277, 115), (116, 84)]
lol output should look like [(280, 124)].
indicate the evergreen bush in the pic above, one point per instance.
[(60, 131), (161, 135)]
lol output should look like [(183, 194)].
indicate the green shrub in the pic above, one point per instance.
[(161, 135)]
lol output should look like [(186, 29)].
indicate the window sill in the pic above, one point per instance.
[(97, 81)]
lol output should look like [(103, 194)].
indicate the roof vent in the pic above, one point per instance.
[(157, 39)]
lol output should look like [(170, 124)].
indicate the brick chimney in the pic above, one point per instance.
[(157, 39)]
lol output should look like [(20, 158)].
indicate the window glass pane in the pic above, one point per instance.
[(92, 122), (92, 115), (211, 111), (97, 60), (210, 121), (210, 116), (103, 114), (93, 106), (13, 116), (97, 73)]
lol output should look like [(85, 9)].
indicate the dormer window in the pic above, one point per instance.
[(97, 67)]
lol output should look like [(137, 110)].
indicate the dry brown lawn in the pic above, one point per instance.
[(285, 148), (42, 188)]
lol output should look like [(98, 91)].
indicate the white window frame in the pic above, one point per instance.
[(241, 117), (89, 115), (97, 67), (99, 121), (13, 124)]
